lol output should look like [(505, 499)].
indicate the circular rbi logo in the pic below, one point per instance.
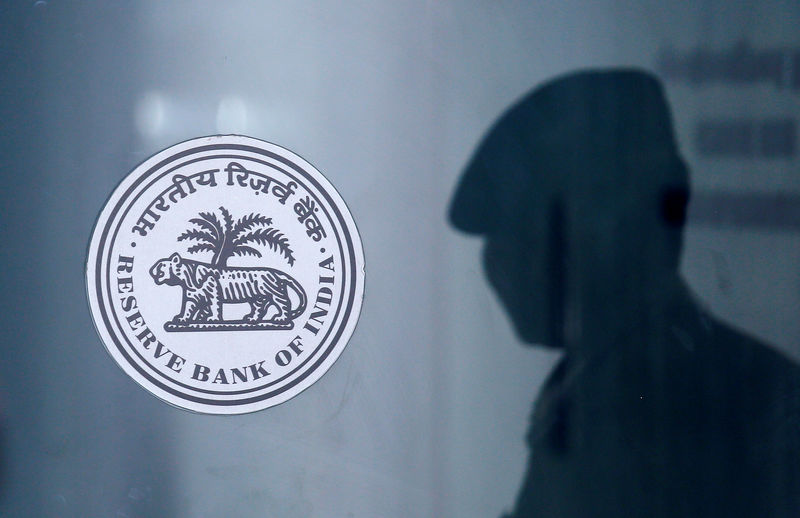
[(225, 274)]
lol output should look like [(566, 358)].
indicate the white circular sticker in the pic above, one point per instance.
[(225, 274)]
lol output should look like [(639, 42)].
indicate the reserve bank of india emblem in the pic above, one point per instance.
[(225, 274)]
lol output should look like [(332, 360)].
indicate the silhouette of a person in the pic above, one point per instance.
[(656, 409)]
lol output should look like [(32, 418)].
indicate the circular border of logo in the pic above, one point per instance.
[(100, 246)]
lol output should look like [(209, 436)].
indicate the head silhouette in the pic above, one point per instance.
[(580, 193)]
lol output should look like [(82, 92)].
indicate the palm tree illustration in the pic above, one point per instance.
[(226, 239)]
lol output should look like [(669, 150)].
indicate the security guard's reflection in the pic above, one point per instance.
[(657, 409)]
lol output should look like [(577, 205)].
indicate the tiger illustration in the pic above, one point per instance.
[(206, 288)]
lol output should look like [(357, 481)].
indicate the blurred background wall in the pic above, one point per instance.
[(424, 413)]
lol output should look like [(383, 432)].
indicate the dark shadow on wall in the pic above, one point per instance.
[(657, 409)]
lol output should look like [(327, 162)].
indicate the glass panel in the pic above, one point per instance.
[(426, 412)]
